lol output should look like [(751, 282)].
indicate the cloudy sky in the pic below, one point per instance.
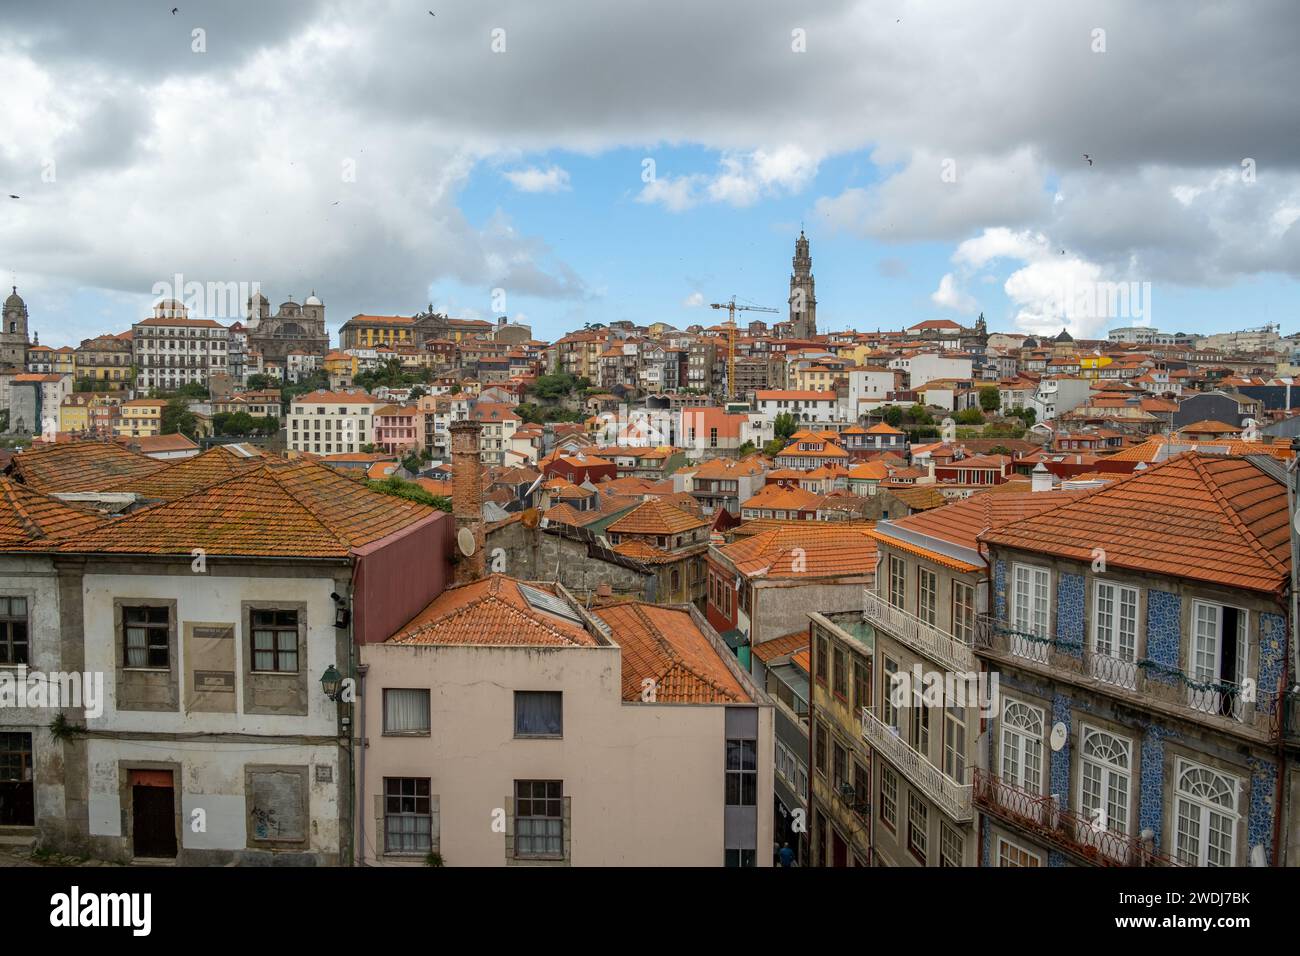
[(631, 160)]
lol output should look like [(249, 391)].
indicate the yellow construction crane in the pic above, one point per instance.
[(732, 309)]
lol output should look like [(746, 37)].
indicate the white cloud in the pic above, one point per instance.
[(948, 296), (676, 194), (553, 179), (741, 180), (694, 300)]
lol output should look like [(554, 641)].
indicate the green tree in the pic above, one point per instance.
[(747, 448), (773, 448), (412, 463), (893, 415), (178, 419), (785, 425), (259, 383), (970, 416), (990, 398)]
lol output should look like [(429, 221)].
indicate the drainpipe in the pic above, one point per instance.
[(359, 807)]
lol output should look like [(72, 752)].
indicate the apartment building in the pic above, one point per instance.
[(373, 331), (140, 417), (919, 704), (499, 423), (331, 423), (781, 667), (807, 407), (721, 482), (562, 758), (763, 586), (215, 619), (1141, 635), (399, 429), (170, 349), (671, 541), (106, 360)]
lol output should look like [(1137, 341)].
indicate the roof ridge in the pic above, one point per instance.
[(1225, 505), (28, 522)]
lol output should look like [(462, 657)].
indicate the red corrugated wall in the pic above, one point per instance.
[(398, 576)]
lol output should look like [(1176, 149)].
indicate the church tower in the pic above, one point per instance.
[(13, 335), (803, 297)]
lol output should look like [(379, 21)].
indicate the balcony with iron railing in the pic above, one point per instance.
[(934, 642), (1244, 710), (950, 795), (1083, 838)]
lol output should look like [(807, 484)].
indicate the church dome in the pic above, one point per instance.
[(1029, 344), (1065, 336), (15, 301), (312, 300)]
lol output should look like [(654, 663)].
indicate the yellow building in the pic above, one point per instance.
[(1090, 366), (107, 360), (141, 417), (372, 331)]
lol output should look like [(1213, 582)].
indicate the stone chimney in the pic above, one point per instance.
[(467, 496)]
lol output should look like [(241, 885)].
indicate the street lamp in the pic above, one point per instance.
[(330, 682)]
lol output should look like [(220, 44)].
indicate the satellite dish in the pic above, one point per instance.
[(530, 518), (465, 541), (1059, 733)]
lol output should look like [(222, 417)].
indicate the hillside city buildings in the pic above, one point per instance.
[(438, 592)]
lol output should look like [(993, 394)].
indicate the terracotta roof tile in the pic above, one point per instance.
[(279, 509), (666, 645), (180, 478), (1201, 517), (656, 516), (30, 520), (80, 466), (780, 646), (804, 550), (495, 611)]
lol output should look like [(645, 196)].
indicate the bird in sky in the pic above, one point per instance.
[(174, 9), (335, 202), (1088, 158), (12, 196)]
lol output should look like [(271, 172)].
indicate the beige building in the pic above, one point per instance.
[(626, 735), (332, 423), (140, 417), (172, 349)]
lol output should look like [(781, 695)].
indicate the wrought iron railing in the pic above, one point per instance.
[(1223, 703), (1062, 828), (950, 795), (924, 638)]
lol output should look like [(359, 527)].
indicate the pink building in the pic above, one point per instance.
[(399, 429)]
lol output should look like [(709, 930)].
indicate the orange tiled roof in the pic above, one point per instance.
[(656, 517), (80, 466), (804, 550), (777, 498), (493, 611), (188, 475), (30, 520), (780, 646), (1201, 517), (666, 645), (280, 509), (803, 660)]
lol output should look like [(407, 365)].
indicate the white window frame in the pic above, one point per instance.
[(889, 798), (927, 599), (1188, 803), (897, 596), (1105, 786), (963, 613), (1022, 741), (1114, 649), (1208, 671), (1006, 845), (952, 845), (1030, 615)]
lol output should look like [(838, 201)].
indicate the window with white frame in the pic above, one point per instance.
[(1105, 779), (963, 612), (1205, 815), (918, 825), (1030, 599), (888, 797), (927, 595), (1011, 854), (919, 723), (889, 712), (408, 818), (1114, 633), (897, 581), (954, 744), (1218, 656), (952, 846), (1022, 745)]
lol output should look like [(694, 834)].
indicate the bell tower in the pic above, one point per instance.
[(803, 296)]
